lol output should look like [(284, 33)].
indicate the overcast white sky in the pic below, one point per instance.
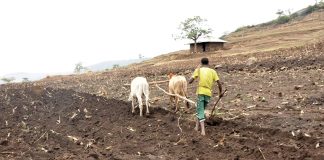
[(50, 36)]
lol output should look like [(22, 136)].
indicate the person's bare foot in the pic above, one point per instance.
[(203, 133), (196, 128)]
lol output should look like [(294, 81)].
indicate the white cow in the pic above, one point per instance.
[(139, 86)]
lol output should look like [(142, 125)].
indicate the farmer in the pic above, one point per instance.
[(207, 77)]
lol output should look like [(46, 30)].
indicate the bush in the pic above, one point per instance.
[(321, 5), (244, 27), (283, 19), (294, 15), (310, 9), (239, 29)]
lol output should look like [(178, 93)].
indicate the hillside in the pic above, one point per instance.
[(309, 29), (299, 32), (273, 109)]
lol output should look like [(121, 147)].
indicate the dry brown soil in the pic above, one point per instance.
[(274, 109)]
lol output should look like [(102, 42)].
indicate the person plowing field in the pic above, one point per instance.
[(207, 77)]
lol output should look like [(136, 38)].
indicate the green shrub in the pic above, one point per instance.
[(239, 29), (294, 15), (310, 9), (320, 5), (283, 19)]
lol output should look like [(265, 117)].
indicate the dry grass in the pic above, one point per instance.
[(307, 30)]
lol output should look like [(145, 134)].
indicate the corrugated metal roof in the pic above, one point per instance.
[(209, 40)]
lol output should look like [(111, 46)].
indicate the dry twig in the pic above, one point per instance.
[(179, 123), (40, 137), (262, 153), (7, 153)]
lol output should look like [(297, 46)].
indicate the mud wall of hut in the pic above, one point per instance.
[(207, 47)]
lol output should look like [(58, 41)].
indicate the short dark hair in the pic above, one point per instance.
[(204, 61)]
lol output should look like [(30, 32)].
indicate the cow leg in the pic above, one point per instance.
[(139, 98), (172, 99), (176, 104), (133, 107), (147, 104), (187, 103)]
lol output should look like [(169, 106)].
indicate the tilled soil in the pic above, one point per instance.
[(46, 123), (274, 109)]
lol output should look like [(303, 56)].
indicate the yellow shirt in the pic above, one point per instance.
[(207, 77)]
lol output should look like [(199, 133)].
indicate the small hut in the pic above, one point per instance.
[(208, 45)]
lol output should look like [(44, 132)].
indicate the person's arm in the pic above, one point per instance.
[(191, 80), (220, 89), (194, 76)]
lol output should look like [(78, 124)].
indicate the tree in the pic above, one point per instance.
[(193, 29), (79, 67), (116, 66), (280, 12), (8, 80), (25, 79), (282, 17)]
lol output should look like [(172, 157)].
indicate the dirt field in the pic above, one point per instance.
[(274, 109)]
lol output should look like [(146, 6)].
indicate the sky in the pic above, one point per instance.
[(51, 36)]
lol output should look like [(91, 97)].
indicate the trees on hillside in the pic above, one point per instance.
[(287, 16), (193, 29)]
